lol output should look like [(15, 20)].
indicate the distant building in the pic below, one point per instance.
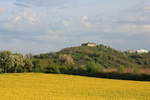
[(89, 44), (142, 51), (137, 51), (131, 51)]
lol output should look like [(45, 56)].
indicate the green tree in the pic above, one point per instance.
[(52, 68), (121, 69), (28, 66), (18, 62), (37, 66), (14, 62), (92, 67), (5, 61), (136, 70), (66, 59)]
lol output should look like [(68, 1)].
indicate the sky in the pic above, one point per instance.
[(39, 26)]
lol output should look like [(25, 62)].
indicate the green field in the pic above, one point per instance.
[(31, 86)]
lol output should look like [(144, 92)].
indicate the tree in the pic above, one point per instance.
[(92, 67), (136, 70), (66, 59), (37, 66), (18, 62), (28, 65), (14, 62), (53, 68), (5, 61), (121, 69)]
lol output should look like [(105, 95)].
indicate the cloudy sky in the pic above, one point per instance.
[(39, 26)]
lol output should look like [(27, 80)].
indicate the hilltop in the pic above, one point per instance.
[(100, 54)]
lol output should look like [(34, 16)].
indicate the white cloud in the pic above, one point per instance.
[(17, 18), (85, 22), (39, 3), (25, 20), (50, 35), (134, 28), (147, 8), (28, 15)]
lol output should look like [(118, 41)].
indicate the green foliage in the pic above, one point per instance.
[(5, 61), (81, 60), (66, 60), (84, 59), (37, 65), (141, 59), (10, 62), (121, 69), (1, 70), (28, 65), (19, 63), (100, 68), (136, 70), (92, 67), (40, 64), (53, 68), (78, 56)]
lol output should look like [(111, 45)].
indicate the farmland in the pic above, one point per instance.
[(31, 86)]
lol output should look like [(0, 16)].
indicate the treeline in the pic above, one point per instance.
[(90, 69), (83, 60), (141, 59), (13, 63)]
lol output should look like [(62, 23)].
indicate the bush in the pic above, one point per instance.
[(136, 70), (38, 69), (53, 68), (92, 67), (121, 69), (101, 68), (63, 69), (1, 70)]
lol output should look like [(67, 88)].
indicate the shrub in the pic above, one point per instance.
[(66, 59), (92, 67), (101, 68), (53, 68), (136, 70), (38, 68), (1, 70), (121, 69)]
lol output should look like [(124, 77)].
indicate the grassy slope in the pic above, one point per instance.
[(141, 59), (106, 56), (32, 86)]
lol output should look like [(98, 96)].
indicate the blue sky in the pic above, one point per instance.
[(37, 26)]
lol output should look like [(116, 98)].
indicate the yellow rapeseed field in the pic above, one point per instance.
[(31, 86)]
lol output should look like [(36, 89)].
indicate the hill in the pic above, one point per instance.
[(31, 86), (105, 56), (98, 61), (141, 59)]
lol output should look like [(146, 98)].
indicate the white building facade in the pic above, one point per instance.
[(142, 51)]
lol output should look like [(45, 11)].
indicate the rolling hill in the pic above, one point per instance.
[(101, 54)]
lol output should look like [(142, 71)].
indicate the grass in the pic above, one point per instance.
[(31, 86)]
